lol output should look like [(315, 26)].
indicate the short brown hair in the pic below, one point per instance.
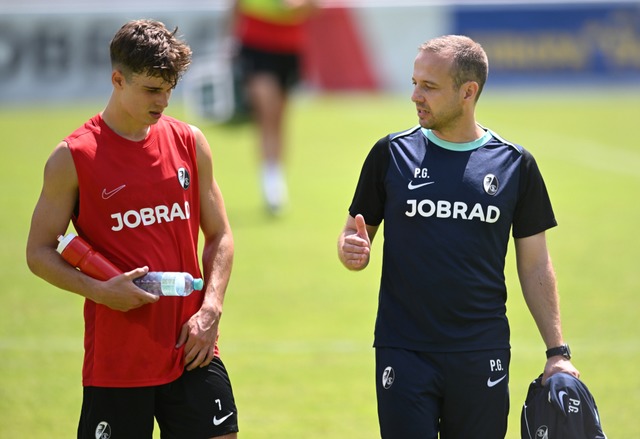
[(470, 62), (147, 46)]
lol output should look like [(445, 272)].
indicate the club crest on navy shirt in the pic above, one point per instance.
[(491, 184)]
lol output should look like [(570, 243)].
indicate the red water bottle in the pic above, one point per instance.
[(81, 255)]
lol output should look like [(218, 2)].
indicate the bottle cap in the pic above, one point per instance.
[(198, 284), (63, 241)]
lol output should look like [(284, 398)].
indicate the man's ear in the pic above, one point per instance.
[(117, 78), (470, 90)]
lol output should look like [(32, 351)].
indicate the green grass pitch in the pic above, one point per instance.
[(297, 330)]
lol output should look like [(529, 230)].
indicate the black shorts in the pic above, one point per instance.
[(198, 405), (285, 67), (460, 395)]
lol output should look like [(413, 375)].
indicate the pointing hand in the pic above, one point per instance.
[(355, 247)]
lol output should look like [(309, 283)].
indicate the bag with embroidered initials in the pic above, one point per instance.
[(562, 409)]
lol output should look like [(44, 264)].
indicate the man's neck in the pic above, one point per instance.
[(122, 127), (466, 134)]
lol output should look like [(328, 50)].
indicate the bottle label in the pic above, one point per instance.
[(173, 284)]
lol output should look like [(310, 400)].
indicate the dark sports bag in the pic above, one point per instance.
[(562, 409)]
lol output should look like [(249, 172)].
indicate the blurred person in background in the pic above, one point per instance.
[(139, 187), (450, 192), (270, 35)]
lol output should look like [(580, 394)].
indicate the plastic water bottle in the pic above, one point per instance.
[(79, 253), (169, 283)]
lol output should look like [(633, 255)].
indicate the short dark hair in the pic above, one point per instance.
[(470, 62), (147, 46)]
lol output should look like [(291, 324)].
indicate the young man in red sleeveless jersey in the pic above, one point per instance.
[(139, 187)]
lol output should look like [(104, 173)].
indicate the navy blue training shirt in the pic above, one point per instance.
[(448, 212)]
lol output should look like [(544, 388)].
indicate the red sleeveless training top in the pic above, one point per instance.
[(138, 205)]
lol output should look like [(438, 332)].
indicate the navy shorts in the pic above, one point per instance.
[(285, 67), (457, 395), (198, 405)]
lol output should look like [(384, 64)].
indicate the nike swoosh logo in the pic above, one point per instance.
[(491, 383), (560, 395), (217, 421), (106, 195), (416, 186)]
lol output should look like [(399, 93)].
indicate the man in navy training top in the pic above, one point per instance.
[(450, 191)]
